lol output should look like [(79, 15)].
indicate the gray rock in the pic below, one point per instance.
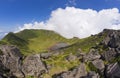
[(112, 38), (11, 51), (92, 55), (11, 59), (33, 66), (92, 74), (109, 55), (99, 64), (77, 72), (113, 71)]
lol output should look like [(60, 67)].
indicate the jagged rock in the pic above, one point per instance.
[(109, 55), (77, 72), (113, 71), (11, 51), (99, 64), (11, 59), (33, 66), (92, 74), (112, 38), (3, 70), (92, 55), (115, 39)]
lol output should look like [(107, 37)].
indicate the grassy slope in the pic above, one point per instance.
[(35, 41)]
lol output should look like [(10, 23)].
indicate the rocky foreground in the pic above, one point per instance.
[(102, 64)]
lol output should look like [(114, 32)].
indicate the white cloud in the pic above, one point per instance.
[(74, 22)]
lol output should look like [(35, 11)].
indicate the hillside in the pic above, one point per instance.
[(34, 41), (46, 54)]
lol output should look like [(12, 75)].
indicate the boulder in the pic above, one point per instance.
[(92, 74), (12, 59), (112, 38), (11, 51), (92, 55), (99, 64), (109, 55), (113, 71), (33, 66), (77, 72)]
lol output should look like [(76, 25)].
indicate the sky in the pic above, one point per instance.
[(70, 18)]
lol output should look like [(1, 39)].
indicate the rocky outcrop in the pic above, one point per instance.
[(77, 72), (33, 66), (99, 64), (113, 71), (12, 63), (92, 74), (109, 55), (11, 59), (92, 55), (112, 39)]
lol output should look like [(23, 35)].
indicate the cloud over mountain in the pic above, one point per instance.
[(74, 22)]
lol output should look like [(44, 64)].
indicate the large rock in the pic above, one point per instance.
[(12, 59), (99, 64), (92, 55), (109, 55), (112, 38), (33, 66), (92, 74), (3, 70), (11, 51), (113, 71), (77, 72)]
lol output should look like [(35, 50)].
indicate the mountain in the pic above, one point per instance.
[(35, 40), (46, 54)]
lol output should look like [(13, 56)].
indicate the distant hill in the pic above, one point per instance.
[(35, 40)]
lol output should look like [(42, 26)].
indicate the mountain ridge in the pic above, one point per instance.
[(97, 56)]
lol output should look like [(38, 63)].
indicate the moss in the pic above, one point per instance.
[(30, 77), (91, 67), (114, 60), (1, 53)]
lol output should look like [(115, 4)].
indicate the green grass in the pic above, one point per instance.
[(84, 44), (60, 64), (35, 41)]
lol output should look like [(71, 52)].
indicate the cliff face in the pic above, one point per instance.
[(64, 60)]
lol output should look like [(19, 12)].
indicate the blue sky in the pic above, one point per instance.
[(14, 13)]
